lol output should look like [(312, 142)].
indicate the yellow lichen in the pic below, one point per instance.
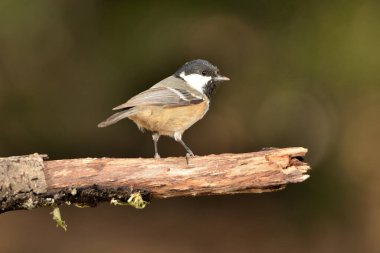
[(135, 200), (58, 218)]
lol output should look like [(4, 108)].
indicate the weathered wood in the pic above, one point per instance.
[(90, 180), (21, 178)]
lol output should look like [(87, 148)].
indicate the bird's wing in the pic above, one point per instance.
[(164, 96)]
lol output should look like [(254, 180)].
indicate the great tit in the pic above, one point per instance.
[(174, 104)]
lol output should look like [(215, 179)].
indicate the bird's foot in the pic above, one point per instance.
[(188, 155), (157, 156)]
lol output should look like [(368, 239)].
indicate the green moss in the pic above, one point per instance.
[(82, 205), (135, 200), (28, 204), (58, 218)]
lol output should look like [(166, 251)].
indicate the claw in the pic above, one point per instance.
[(188, 155)]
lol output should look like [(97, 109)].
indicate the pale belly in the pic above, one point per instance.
[(169, 120)]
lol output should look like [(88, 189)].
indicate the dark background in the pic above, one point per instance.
[(303, 73)]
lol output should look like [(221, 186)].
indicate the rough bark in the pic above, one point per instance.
[(27, 182), (21, 179)]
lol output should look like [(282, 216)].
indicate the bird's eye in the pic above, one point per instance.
[(204, 73)]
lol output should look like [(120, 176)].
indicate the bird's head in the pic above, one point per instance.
[(201, 75)]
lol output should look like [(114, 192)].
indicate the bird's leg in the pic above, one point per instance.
[(155, 137), (178, 138), (189, 152)]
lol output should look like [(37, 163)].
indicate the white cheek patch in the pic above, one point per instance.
[(196, 81)]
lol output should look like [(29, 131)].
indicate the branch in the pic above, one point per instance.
[(27, 182)]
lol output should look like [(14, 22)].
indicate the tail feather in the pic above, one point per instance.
[(114, 118)]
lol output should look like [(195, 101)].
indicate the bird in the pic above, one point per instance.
[(173, 105)]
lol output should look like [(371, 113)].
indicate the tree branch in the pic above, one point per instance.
[(27, 182)]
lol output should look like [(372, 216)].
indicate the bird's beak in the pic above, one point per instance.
[(221, 78)]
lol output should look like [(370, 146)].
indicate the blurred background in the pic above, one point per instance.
[(303, 73)]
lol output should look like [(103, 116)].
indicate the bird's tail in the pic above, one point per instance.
[(117, 117)]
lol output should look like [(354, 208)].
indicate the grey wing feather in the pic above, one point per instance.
[(162, 96), (117, 117)]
